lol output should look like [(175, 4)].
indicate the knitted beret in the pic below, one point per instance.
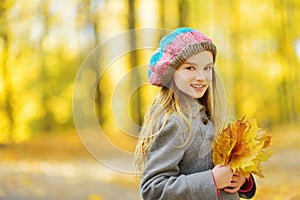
[(174, 49)]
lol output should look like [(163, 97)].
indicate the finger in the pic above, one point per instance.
[(233, 185), (235, 178), (236, 175), (231, 190)]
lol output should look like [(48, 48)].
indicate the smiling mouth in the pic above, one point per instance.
[(198, 86)]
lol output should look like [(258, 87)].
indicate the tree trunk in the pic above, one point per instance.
[(135, 78), (7, 88), (235, 40), (183, 11), (286, 86), (48, 121)]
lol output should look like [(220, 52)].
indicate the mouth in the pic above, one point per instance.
[(198, 86)]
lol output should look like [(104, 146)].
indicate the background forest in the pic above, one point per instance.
[(44, 43)]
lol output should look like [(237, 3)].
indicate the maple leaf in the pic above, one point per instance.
[(242, 145)]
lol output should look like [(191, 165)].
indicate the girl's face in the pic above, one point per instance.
[(194, 75)]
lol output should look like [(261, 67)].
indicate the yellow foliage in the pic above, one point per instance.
[(242, 145), (95, 197)]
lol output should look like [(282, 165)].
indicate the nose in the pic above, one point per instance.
[(199, 75)]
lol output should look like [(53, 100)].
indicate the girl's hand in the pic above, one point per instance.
[(223, 176), (236, 183)]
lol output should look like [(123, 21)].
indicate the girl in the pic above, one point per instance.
[(174, 152)]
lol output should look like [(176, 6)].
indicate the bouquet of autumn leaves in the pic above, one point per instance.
[(242, 145)]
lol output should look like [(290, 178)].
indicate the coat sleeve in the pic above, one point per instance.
[(162, 178), (250, 188)]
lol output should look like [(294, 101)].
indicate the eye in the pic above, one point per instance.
[(208, 68), (191, 68)]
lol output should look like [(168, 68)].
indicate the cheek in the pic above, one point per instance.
[(209, 76), (180, 77)]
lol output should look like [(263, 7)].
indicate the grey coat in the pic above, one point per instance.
[(179, 164)]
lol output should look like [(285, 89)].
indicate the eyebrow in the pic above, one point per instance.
[(192, 63)]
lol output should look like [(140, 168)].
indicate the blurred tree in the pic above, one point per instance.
[(235, 39), (94, 21), (183, 13), (161, 9), (42, 43), (237, 52), (286, 85), (7, 102), (135, 76), (48, 121), (88, 18)]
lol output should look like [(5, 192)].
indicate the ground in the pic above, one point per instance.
[(57, 166)]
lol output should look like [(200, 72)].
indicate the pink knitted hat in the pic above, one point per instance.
[(174, 49)]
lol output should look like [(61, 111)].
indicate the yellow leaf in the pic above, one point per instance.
[(243, 145)]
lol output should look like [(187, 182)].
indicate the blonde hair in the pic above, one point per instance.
[(167, 102)]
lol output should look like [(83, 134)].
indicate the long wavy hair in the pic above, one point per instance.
[(167, 102)]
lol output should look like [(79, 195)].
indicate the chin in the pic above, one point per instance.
[(198, 96)]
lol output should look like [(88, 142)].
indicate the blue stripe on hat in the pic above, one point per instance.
[(149, 73), (155, 57)]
